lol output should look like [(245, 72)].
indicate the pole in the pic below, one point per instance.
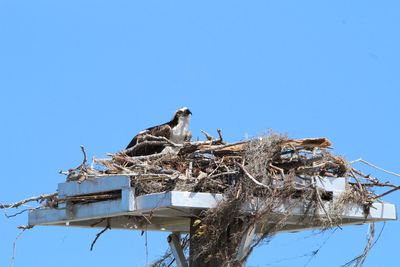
[(175, 245)]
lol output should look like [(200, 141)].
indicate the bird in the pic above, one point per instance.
[(176, 130)]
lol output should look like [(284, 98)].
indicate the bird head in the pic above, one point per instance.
[(183, 112)]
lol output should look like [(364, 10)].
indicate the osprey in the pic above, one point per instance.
[(176, 130)]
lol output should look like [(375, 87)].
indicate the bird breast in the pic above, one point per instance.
[(180, 131)]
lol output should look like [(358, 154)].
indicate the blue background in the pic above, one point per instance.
[(97, 72)]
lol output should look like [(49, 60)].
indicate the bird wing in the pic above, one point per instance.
[(159, 130)]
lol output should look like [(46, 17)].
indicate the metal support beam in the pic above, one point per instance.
[(245, 244), (175, 245)]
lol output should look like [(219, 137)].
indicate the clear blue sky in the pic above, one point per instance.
[(96, 72)]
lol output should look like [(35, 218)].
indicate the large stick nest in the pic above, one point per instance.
[(271, 170), (267, 172), (214, 166)]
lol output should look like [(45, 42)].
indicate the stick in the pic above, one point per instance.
[(374, 166), (250, 176), (216, 147), (22, 202), (84, 156), (15, 244), (388, 192), (100, 233), (142, 158), (368, 177), (221, 139), (20, 212), (278, 169), (321, 204), (222, 174), (15, 247), (208, 136)]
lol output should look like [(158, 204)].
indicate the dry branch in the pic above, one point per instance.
[(22, 202), (99, 234), (374, 166), (250, 176)]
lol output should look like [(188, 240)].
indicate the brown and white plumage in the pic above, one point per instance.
[(176, 130)]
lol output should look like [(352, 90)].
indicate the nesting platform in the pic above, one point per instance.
[(171, 211)]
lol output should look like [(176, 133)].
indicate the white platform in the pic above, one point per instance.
[(171, 211)]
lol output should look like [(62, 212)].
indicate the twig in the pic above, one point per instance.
[(280, 171), (217, 147), (112, 174), (146, 246), (153, 176), (387, 192), (365, 176), (221, 139), (321, 204), (315, 252), (208, 136), (92, 163), (25, 227), (215, 169), (357, 180), (84, 156), (250, 176), (100, 233), (79, 173), (147, 219), (20, 212), (359, 260), (222, 174), (22, 202), (134, 159), (374, 166), (15, 246)]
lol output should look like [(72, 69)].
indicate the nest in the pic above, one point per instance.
[(270, 170), (215, 167), (256, 177)]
